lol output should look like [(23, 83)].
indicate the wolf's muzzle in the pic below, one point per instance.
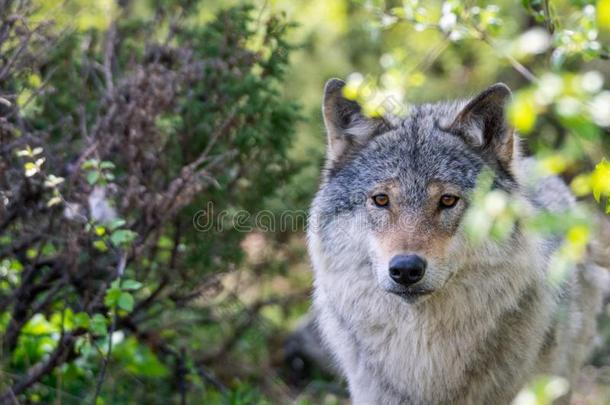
[(407, 270)]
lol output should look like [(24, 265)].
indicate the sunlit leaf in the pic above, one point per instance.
[(581, 184), (30, 169), (522, 112), (554, 164), (600, 180), (603, 14), (55, 200), (53, 181)]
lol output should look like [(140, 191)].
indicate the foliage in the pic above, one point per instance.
[(560, 105), (114, 129)]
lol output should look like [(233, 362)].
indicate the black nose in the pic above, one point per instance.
[(407, 269)]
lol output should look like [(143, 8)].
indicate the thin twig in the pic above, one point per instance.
[(100, 381), (108, 57)]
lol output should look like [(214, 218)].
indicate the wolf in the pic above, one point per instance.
[(412, 310)]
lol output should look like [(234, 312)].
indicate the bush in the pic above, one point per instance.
[(115, 129)]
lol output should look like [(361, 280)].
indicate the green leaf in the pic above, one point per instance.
[(39, 325), (165, 242), (112, 297), (115, 224), (100, 245), (122, 237), (582, 127), (107, 165), (89, 164), (82, 320), (126, 301), (98, 325), (138, 359), (131, 285), (93, 177)]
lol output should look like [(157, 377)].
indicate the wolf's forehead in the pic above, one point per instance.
[(418, 152)]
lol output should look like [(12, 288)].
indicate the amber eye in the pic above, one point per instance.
[(448, 201), (381, 200)]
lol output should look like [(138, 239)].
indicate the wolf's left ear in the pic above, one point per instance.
[(482, 123), (347, 127)]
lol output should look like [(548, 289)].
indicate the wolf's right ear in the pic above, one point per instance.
[(346, 126)]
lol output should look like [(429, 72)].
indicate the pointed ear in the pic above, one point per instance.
[(482, 123), (346, 125)]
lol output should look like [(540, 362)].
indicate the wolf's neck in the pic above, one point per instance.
[(484, 292), (479, 305)]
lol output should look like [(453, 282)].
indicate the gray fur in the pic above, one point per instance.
[(485, 318)]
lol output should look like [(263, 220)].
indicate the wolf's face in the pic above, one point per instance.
[(402, 188)]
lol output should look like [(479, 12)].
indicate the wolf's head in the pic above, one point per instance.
[(399, 188)]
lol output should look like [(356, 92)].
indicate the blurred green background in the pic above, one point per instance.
[(148, 148)]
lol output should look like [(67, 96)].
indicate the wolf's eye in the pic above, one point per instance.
[(448, 201), (381, 200)]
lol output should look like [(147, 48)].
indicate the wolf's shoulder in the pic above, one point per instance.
[(546, 192)]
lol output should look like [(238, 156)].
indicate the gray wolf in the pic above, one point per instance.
[(413, 312)]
